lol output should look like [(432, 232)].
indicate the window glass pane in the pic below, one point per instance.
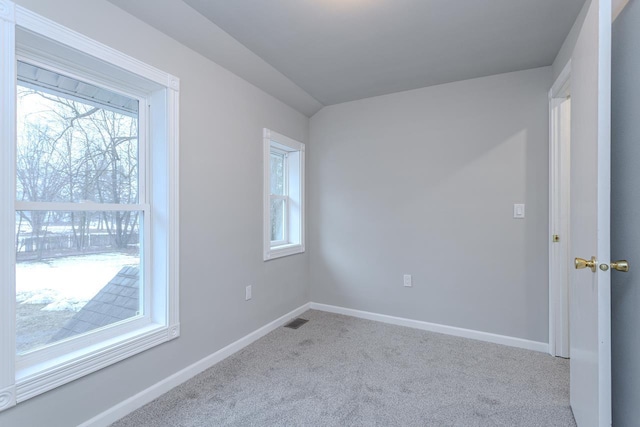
[(75, 142), (277, 174), (75, 272), (277, 219)]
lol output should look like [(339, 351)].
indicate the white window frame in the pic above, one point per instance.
[(25, 376), (57, 350), (294, 227)]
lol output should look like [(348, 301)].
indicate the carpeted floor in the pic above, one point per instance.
[(342, 371)]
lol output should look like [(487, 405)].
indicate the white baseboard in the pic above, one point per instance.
[(434, 327), (129, 405)]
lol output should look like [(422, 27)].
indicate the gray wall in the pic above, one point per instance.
[(625, 202), (423, 182), (420, 182), (564, 55), (221, 123)]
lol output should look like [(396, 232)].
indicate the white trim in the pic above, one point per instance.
[(63, 35), (559, 166), (173, 205), (100, 357), (284, 250), (7, 397), (266, 195), (434, 327), (7, 213), (129, 405), (603, 205), (162, 90), (7, 11), (286, 143), (50, 356)]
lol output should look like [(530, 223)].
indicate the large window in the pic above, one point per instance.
[(283, 195), (89, 236), (80, 214)]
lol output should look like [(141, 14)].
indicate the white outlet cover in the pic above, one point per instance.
[(407, 281), (518, 210)]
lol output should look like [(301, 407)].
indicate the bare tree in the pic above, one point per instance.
[(37, 178), (70, 151)]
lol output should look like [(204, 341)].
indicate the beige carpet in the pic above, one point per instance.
[(342, 371)]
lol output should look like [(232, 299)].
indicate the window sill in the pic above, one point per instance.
[(283, 250), (45, 376)]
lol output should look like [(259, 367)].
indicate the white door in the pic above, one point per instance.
[(590, 310)]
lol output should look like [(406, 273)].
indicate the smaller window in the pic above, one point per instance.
[(283, 196)]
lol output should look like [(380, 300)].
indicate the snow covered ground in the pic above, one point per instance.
[(67, 283)]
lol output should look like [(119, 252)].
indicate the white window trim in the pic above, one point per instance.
[(281, 142), (17, 385)]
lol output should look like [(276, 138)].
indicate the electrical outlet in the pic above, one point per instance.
[(407, 281), (247, 293)]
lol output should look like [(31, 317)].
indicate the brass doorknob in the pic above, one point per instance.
[(583, 263), (622, 265)]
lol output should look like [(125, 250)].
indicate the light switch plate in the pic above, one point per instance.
[(406, 281), (518, 210)]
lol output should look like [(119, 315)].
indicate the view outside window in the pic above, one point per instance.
[(77, 269), (278, 197)]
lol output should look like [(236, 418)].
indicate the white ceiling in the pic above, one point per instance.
[(342, 50)]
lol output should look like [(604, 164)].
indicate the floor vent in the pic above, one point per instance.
[(296, 323)]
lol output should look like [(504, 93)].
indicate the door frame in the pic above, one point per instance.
[(559, 210)]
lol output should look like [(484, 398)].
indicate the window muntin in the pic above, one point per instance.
[(284, 195)]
